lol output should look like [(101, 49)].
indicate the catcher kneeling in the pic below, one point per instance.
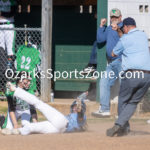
[(56, 121)]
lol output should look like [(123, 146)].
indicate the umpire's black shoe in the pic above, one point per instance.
[(123, 132), (113, 131)]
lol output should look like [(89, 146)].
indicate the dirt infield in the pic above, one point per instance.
[(93, 139)]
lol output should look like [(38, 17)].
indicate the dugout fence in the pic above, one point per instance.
[(26, 45)]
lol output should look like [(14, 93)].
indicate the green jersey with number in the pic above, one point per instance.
[(27, 59)]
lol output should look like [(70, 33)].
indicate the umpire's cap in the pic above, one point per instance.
[(129, 21)]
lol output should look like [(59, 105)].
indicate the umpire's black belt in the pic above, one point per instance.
[(2, 23)]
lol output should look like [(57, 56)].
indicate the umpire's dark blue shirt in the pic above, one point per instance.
[(110, 36)]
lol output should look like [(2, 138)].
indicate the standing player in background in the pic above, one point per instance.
[(7, 37)]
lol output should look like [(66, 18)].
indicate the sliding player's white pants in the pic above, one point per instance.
[(56, 121)]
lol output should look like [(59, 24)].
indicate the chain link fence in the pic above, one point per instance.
[(20, 50), (25, 44)]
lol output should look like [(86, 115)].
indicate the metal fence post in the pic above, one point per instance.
[(47, 7)]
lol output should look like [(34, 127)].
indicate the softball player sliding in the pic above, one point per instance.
[(56, 121)]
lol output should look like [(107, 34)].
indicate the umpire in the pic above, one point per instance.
[(135, 59)]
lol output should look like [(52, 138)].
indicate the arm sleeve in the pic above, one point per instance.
[(118, 49), (101, 34), (11, 105)]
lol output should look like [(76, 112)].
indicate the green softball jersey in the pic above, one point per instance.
[(27, 59)]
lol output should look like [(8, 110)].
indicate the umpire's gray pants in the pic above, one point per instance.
[(131, 92)]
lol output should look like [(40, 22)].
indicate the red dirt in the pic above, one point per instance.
[(93, 139)]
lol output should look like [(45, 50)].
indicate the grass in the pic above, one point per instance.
[(3, 107), (3, 110)]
